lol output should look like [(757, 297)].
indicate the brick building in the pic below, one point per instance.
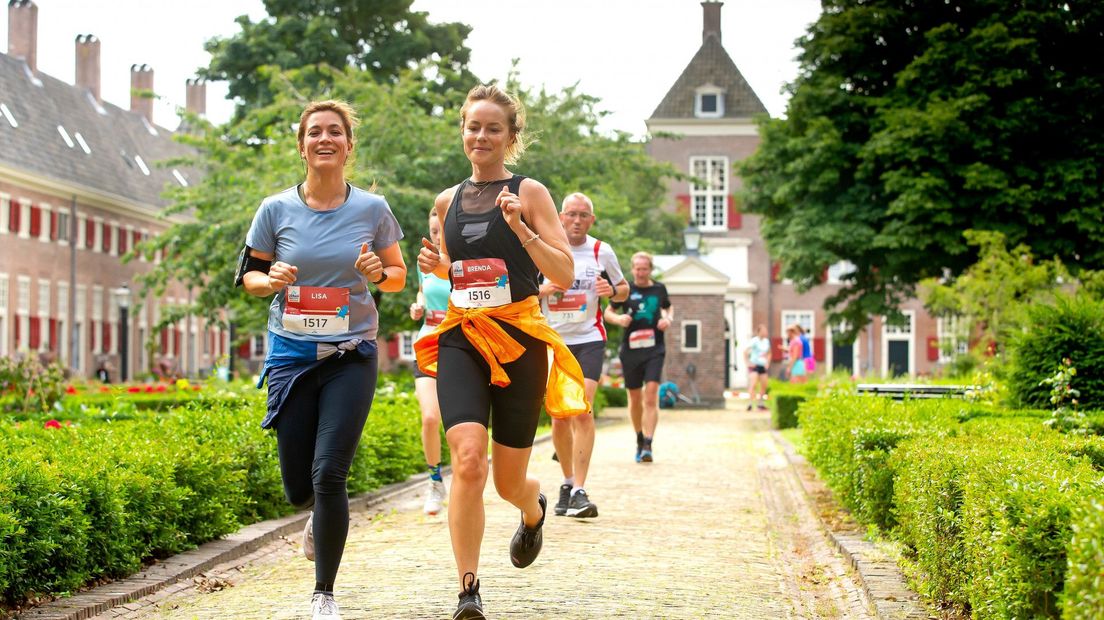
[(79, 187), (704, 126)]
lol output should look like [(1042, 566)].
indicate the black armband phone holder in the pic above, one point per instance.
[(247, 262)]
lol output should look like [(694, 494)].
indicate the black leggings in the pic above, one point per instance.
[(317, 434)]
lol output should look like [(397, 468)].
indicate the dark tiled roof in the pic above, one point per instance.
[(711, 65), (37, 146)]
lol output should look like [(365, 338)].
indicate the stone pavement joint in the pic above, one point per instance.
[(717, 527)]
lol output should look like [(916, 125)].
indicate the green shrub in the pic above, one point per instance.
[(28, 385), (1070, 328), (101, 496), (614, 396), (1083, 597), (784, 409)]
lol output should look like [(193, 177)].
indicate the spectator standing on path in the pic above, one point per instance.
[(574, 313), (757, 355), (797, 355), (431, 303), (498, 231), (648, 314), (317, 246)]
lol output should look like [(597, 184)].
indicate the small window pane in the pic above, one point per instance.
[(709, 104), (690, 335)]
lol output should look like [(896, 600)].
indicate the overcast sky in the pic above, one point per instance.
[(626, 52)]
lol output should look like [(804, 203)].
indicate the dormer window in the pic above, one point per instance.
[(709, 102)]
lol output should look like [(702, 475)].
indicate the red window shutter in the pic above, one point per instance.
[(933, 349), (164, 340), (17, 325), (393, 347), (176, 342), (136, 238), (53, 226), (89, 233), (818, 349), (824, 276), (106, 336), (53, 335), (243, 350), (122, 241), (776, 349), (735, 218), (92, 336), (683, 204), (776, 271), (14, 210), (36, 221), (105, 243), (35, 336)]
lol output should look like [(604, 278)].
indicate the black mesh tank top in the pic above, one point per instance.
[(475, 228)]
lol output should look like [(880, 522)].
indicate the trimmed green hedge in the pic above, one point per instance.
[(614, 396), (785, 398), (97, 498), (1071, 327), (994, 508)]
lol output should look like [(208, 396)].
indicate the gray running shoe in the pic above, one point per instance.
[(526, 544), (581, 507), (324, 607), (565, 497)]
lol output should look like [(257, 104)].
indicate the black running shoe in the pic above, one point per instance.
[(565, 498), (581, 507), (470, 606), (526, 545)]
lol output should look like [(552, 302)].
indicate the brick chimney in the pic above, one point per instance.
[(141, 90), (88, 64), (23, 31), (711, 25), (196, 96)]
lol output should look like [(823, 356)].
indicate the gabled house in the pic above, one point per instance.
[(704, 126), (80, 185)]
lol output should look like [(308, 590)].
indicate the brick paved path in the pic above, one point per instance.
[(717, 527)]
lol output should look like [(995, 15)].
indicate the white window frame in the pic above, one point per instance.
[(712, 195), (829, 348), (682, 335), (257, 352), (709, 89), (24, 218), (5, 213), (44, 212), (113, 230), (97, 317), (836, 271), (44, 299), (82, 232), (406, 346), (23, 311), (952, 330), (789, 317), (97, 234), (63, 226), (896, 334)]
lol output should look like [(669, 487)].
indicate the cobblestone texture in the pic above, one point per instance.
[(717, 527)]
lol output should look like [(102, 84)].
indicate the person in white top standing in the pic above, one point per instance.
[(576, 315), (758, 358)]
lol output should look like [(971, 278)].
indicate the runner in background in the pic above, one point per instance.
[(575, 314), (431, 303), (647, 315), (758, 357)]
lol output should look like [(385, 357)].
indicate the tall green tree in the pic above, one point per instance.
[(914, 120), (382, 37), (409, 152)]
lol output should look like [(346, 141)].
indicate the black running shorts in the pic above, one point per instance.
[(465, 393), (640, 367), (591, 356)]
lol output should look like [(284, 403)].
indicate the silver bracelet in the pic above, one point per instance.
[(530, 240)]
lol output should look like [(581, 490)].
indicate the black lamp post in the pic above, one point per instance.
[(691, 239), (122, 297)]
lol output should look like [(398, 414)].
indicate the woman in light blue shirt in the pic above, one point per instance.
[(316, 247)]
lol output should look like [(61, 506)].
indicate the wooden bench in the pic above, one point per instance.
[(898, 391)]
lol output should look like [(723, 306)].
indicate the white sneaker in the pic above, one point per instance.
[(308, 538), (324, 607), (435, 498)]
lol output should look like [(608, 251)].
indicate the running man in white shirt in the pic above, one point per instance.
[(576, 315)]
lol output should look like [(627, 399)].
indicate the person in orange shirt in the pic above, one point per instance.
[(499, 231)]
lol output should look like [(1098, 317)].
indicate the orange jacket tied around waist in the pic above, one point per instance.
[(564, 396)]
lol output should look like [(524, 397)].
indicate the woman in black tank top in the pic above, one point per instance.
[(498, 231)]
